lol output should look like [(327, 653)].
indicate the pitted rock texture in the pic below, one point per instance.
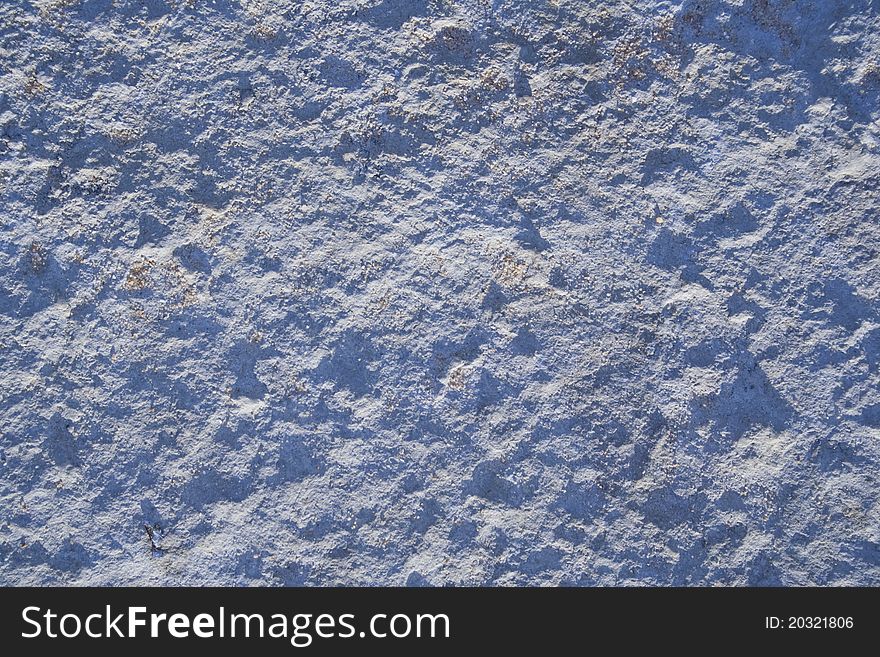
[(498, 292)]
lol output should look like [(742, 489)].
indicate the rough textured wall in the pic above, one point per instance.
[(433, 292)]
